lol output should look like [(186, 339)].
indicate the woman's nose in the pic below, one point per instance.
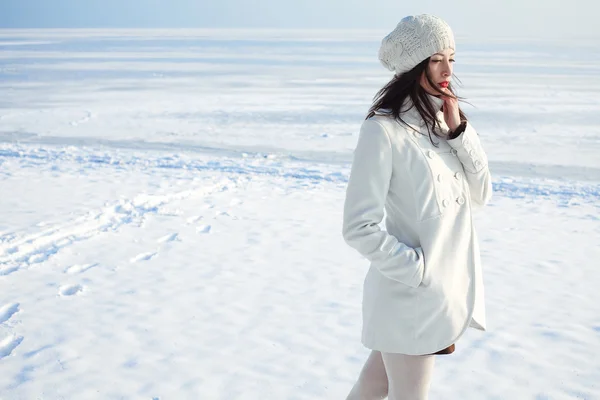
[(447, 71)]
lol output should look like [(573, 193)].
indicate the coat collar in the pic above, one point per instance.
[(436, 101), (414, 116)]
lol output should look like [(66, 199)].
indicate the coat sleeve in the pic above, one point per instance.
[(475, 163), (364, 209)]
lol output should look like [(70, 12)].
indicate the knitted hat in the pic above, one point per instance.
[(415, 39)]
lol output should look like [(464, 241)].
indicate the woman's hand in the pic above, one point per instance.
[(451, 114)]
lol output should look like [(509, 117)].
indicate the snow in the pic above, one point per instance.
[(170, 216)]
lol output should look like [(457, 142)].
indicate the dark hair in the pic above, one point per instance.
[(390, 99)]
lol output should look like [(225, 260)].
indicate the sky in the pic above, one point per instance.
[(564, 19)]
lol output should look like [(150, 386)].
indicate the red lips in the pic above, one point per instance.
[(444, 84)]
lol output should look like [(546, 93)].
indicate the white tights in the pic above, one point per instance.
[(398, 376)]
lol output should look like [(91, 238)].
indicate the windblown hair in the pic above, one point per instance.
[(392, 97)]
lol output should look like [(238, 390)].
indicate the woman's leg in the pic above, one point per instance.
[(409, 377), (372, 383)]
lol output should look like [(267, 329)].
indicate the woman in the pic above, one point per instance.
[(418, 159)]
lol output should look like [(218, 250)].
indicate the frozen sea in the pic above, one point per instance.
[(170, 215)]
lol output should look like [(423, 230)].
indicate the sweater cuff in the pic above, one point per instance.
[(458, 131)]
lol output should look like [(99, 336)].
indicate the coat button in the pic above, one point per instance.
[(417, 134), (460, 200), (431, 154), (454, 152), (445, 203), (477, 163), (466, 142), (440, 178), (471, 153), (458, 175)]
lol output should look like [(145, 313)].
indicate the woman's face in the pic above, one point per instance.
[(440, 72)]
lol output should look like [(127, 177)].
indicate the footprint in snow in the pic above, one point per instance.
[(8, 311), (168, 238), (76, 269), (9, 344), (225, 214), (70, 290), (7, 237), (194, 219), (11, 250), (64, 242), (203, 229), (38, 258), (143, 257), (8, 271)]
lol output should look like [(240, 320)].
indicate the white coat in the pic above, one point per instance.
[(424, 287)]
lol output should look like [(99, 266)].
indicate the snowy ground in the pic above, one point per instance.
[(170, 216)]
